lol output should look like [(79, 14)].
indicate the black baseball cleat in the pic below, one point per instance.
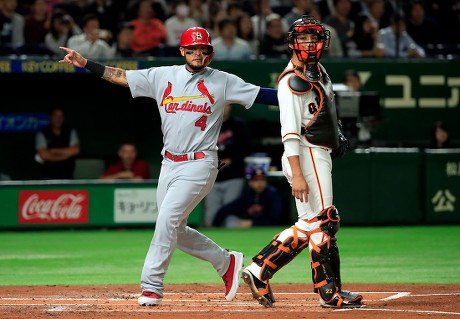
[(344, 299), (262, 292)]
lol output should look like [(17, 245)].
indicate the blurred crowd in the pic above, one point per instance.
[(104, 29)]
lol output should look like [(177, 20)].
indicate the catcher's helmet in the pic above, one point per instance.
[(195, 36), (307, 24)]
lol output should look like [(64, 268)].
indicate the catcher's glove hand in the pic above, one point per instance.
[(343, 145)]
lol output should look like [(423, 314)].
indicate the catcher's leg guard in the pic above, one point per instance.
[(326, 264), (279, 253)]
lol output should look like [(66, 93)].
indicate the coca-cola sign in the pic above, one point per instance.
[(53, 207)]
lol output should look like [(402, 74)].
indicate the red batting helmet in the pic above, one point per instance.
[(195, 36)]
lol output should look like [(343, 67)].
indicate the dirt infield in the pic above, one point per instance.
[(207, 301)]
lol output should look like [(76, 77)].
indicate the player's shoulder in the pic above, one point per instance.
[(220, 74)]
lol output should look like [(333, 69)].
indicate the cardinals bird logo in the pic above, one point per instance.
[(204, 90), (166, 93)]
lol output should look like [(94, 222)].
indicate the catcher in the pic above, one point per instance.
[(311, 137)]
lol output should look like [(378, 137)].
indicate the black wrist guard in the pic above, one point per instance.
[(95, 68)]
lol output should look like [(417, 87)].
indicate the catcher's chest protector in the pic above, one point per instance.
[(322, 129)]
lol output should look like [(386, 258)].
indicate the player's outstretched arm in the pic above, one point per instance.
[(111, 74), (267, 96)]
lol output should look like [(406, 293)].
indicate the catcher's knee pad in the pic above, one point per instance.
[(279, 253), (330, 220)]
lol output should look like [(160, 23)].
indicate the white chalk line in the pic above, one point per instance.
[(402, 310), (396, 296)]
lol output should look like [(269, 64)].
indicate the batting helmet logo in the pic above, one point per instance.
[(197, 36)]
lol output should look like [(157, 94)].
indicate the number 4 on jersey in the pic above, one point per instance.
[(201, 123)]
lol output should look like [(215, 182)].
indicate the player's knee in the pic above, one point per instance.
[(330, 220)]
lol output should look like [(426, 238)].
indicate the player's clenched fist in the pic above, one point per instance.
[(73, 57)]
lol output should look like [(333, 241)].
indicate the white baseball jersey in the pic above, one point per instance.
[(191, 105), (297, 110)]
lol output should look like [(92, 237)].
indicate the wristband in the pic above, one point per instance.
[(95, 68)]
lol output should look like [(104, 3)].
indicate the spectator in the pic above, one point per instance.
[(11, 26), (245, 31), (258, 205), (160, 9), (37, 23), (423, 30), (262, 9), (62, 27), (352, 80), (341, 22), (376, 12), (273, 44), (122, 45), (149, 32), (178, 23), (217, 14), (93, 41), (234, 9), (335, 46), (387, 44), (199, 12), (228, 46), (363, 43), (439, 136), (108, 12), (299, 8), (233, 146), (74, 8), (128, 166), (57, 146)]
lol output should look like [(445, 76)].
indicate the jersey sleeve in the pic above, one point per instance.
[(290, 111), (141, 82), (240, 92)]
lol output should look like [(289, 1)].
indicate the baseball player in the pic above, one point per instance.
[(309, 129), (191, 100)]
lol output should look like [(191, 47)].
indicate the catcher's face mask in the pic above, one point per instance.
[(307, 37)]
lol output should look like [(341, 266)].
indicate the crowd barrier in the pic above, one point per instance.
[(375, 186)]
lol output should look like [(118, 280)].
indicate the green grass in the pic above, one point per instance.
[(428, 254)]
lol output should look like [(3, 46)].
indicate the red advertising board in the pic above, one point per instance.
[(53, 207)]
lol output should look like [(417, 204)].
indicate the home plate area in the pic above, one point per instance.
[(207, 301)]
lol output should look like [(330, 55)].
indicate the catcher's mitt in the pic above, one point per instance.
[(343, 145)]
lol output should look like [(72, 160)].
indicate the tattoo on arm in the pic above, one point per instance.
[(115, 75)]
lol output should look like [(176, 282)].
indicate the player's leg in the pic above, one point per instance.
[(227, 264), (180, 189), (321, 222), (290, 242), (325, 262), (284, 247)]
